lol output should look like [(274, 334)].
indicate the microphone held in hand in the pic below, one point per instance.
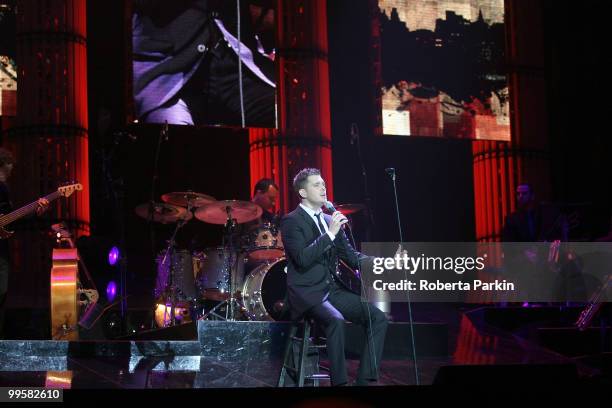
[(329, 206)]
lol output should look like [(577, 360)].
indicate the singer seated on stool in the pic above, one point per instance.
[(314, 242)]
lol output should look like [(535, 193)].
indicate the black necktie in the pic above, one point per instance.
[(321, 227), (328, 254)]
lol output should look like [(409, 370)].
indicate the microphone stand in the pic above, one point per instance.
[(391, 173), (171, 284), (115, 189)]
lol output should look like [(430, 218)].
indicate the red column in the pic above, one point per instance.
[(49, 137), (500, 166), (303, 138)]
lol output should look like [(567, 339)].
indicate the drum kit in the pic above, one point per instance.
[(243, 279)]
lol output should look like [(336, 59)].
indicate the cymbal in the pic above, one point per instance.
[(163, 213), (182, 198), (216, 212), (348, 209)]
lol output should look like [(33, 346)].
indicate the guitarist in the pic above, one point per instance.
[(7, 162)]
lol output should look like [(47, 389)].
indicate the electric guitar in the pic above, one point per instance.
[(63, 191)]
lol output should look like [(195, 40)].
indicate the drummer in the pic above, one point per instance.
[(265, 195)]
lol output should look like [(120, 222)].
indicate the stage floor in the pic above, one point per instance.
[(182, 364)]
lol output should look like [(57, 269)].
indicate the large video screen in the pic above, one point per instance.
[(204, 62), (8, 67), (443, 69)]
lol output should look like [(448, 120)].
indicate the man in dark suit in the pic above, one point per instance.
[(314, 242), (532, 222)]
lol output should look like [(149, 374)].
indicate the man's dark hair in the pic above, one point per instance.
[(299, 181), (263, 185), (6, 157)]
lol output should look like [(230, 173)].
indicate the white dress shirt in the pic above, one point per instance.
[(314, 215)]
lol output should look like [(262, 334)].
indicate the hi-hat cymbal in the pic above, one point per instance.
[(183, 198), (163, 213), (348, 209), (217, 212)]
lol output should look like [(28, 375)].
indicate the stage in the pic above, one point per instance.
[(468, 348)]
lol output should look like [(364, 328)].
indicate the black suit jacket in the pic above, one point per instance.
[(549, 224), (312, 260)]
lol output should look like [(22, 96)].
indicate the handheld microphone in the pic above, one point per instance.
[(330, 207)]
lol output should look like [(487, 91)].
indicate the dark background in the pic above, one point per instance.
[(435, 180)]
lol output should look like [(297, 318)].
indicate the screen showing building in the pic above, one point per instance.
[(8, 67), (443, 69)]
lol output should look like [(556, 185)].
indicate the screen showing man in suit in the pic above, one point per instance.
[(204, 62)]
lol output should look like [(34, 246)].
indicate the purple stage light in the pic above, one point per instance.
[(111, 291), (113, 256)]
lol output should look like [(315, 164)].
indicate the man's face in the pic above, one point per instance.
[(314, 191), (267, 200), (523, 195)]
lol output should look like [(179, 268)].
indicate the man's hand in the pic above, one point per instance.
[(400, 252), (43, 205), (337, 221)]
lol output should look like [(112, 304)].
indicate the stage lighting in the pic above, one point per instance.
[(113, 256), (111, 291)]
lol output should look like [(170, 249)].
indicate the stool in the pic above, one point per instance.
[(304, 347)]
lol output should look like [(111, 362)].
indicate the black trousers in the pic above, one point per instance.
[(343, 305), (213, 93)]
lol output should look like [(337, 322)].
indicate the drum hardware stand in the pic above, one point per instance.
[(170, 287), (231, 268)]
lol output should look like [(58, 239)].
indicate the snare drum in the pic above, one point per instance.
[(265, 243)]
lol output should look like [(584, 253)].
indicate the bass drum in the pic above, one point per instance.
[(265, 288), (264, 291)]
